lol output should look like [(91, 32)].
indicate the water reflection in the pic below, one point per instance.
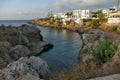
[(66, 48)]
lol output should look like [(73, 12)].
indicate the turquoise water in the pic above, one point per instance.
[(63, 56)]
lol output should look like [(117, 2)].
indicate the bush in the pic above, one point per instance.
[(87, 20), (103, 53), (103, 20), (95, 23), (68, 22), (114, 28)]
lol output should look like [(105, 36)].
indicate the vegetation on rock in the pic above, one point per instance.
[(95, 23), (103, 52)]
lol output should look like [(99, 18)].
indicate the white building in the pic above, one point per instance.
[(66, 19), (82, 14), (114, 18), (76, 14), (78, 21), (60, 15), (106, 12), (113, 9)]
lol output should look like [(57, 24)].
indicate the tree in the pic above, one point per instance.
[(69, 14), (50, 14)]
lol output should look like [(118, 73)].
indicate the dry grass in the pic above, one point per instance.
[(110, 27), (82, 71)]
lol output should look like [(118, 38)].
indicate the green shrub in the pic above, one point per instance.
[(103, 20), (114, 28), (103, 52), (95, 23), (68, 22), (87, 20)]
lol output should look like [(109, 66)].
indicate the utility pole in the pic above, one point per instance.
[(118, 5)]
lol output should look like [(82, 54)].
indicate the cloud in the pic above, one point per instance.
[(19, 9), (67, 5)]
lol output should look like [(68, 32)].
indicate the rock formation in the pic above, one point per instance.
[(25, 68), (18, 48)]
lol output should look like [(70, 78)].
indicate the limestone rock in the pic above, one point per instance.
[(19, 51), (111, 77), (37, 47), (3, 62), (29, 77), (25, 68), (4, 57), (89, 38), (4, 46)]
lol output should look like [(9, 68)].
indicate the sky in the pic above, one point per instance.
[(30, 9)]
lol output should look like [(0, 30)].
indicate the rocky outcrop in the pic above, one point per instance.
[(93, 35), (91, 39), (29, 77), (37, 47), (33, 68), (111, 77), (4, 57), (19, 51), (22, 41)]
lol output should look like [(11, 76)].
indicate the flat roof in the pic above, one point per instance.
[(117, 13)]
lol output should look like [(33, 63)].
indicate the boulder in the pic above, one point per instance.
[(33, 68), (29, 77), (116, 57), (89, 38), (93, 35), (4, 57), (3, 62), (39, 47), (19, 51), (111, 77), (32, 32), (4, 46)]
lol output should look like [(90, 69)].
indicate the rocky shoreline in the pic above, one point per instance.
[(19, 48), (77, 28), (90, 38), (92, 70)]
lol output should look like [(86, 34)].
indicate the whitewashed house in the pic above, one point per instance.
[(79, 15), (114, 18), (86, 14), (78, 21), (106, 12), (61, 15), (82, 14), (76, 14), (113, 9)]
